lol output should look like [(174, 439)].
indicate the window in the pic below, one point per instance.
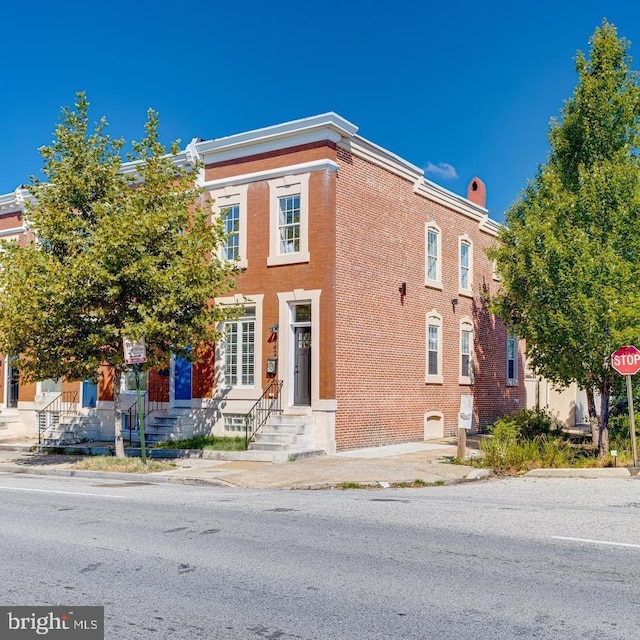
[(239, 350), (50, 386), (434, 348), (466, 351), (289, 220), (230, 205), (231, 221), (512, 360), (466, 262), (289, 224), (234, 423), (432, 256), (129, 381)]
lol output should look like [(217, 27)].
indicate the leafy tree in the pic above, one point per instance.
[(569, 256), (121, 250)]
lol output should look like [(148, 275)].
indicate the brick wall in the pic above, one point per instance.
[(380, 337)]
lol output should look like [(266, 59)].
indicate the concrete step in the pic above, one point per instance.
[(275, 438), (268, 446)]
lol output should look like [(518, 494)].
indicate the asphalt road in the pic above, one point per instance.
[(521, 558)]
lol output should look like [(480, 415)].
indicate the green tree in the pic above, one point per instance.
[(121, 250), (569, 256)]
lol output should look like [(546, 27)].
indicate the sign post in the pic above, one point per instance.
[(135, 353), (626, 360)]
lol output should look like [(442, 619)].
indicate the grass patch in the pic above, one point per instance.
[(350, 485), (122, 465), (214, 443)]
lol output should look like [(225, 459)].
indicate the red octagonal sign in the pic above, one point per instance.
[(626, 360)]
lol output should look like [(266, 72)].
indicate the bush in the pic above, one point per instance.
[(527, 424)]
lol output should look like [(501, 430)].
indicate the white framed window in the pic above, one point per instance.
[(128, 384), (465, 263), (433, 256), (230, 205), (239, 350), (512, 361), (466, 351), (50, 386), (433, 374), (289, 220)]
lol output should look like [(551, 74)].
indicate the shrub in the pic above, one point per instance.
[(527, 424)]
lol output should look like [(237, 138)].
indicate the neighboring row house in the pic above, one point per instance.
[(363, 286)]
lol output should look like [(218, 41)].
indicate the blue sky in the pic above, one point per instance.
[(458, 88)]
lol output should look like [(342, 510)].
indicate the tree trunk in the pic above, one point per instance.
[(117, 412), (603, 434), (593, 416)]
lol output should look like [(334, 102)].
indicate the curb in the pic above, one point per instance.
[(605, 472), (126, 477)]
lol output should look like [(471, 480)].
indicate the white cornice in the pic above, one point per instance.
[(14, 231), (383, 158), (490, 226), (290, 170), (438, 194), (327, 126)]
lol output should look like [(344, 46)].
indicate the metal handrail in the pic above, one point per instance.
[(268, 403), (150, 403), (64, 404)]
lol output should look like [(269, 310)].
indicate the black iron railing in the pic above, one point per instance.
[(153, 399), (64, 404), (268, 403)]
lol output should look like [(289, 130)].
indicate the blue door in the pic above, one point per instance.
[(182, 382), (89, 394)]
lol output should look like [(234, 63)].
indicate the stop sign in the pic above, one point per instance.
[(626, 360)]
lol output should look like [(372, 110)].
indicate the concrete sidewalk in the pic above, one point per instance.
[(393, 464)]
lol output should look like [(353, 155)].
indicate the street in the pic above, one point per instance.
[(528, 558)]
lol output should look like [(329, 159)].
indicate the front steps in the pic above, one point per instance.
[(287, 437), (70, 430), (173, 424)]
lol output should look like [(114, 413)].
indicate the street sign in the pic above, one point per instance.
[(135, 351), (626, 360)]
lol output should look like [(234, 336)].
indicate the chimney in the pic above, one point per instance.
[(477, 192)]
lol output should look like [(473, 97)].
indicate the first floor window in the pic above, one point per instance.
[(433, 349), (512, 360), (239, 350), (129, 381), (466, 360)]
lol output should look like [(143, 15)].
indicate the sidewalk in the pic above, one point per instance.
[(393, 464)]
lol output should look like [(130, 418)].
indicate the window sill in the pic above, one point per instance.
[(288, 258), (433, 284), (512, 383), (433, 380), (465, 380), (467, 293)]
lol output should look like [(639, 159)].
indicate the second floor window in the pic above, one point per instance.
[(432, 254), (289, 223), (231, 219), (465, 265)]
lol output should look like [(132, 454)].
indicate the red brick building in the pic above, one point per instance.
[(363, 287)]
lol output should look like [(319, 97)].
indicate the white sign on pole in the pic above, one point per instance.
[(135, 351)]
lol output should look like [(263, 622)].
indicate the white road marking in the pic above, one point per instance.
[(64, 493), (590, 541)]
